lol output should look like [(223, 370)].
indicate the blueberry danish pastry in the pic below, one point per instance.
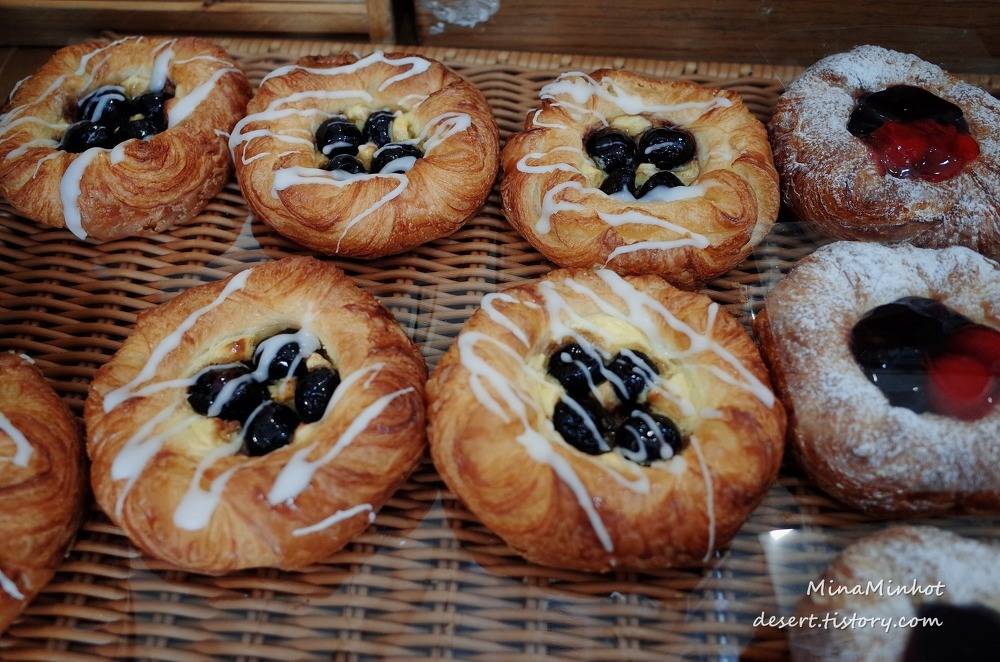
[(42, 483), (874, 144), (257, 421), (596, 422), (109, 140), (366, 157), (888, 360), (640, 175)]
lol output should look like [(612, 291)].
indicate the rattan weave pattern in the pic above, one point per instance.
[(427, 580)]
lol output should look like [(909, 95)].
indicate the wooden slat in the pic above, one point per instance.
[(959, 34), (53, 22)]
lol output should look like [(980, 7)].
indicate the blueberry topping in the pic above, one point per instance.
[(900, 373), (618, 180), (142, 128), (313, 392), (666, 147), (575, 368), (661, 178), (902, 103), (378, 127), (106, 105), (151, 105), (284, 362), (636, 372), (272, 427), (583, 426), (395, 157), (611, 150), (645, 437), (241, 399), (961, 632), (338, 135), (346, 163), (81, 136), (911, 321)]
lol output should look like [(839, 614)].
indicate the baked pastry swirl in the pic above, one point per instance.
[(874, 144), (888, 361), (42, 483), (640, 175), (366, 157), (596, 422), (937, 591), (260, 421), (109, 140)]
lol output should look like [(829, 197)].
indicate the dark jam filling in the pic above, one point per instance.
[(339, 139), (927, 358), (639, 434), (108, 116), (242, 393), (618, 155), (960, 632), (913, 134)]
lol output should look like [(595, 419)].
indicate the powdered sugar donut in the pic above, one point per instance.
[(897, 580), (874, 144), (888, 361)]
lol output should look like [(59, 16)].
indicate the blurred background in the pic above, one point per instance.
[(960, 35)]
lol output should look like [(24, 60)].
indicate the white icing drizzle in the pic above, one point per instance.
[(551, 206), (706, 474), (535, 122), (196, 507), (38, 164), (506, 401), (665, 451), (9, 587), (581, 88), (336, 518), (183, 107), (536, 169), (264, 356), (296, 475), (161, 66), (664, 194), (85, 59), (107, 92), (297, 175), (118, 152), (69, 190), (206, 58), (418, 65), (136, 453), (169, 343), (31, 144), (58, 126), (500, 318), (537, 446), (22, 447), (636, 217)]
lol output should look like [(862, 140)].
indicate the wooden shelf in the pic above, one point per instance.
[(52, 22)]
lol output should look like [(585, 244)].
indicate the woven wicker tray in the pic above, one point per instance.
[(426, 580)]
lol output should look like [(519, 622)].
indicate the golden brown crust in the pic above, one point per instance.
[(830, 179), (505, 470), (255, 523), (442, 190), (159, 182), (43, 493), (735, 176), (846, 436)]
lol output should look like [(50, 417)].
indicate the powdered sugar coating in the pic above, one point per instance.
[(849, 439), (829, 177), (901, 556)]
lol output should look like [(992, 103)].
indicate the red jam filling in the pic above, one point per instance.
[(927, 358), (913, 133), (924, 149)]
